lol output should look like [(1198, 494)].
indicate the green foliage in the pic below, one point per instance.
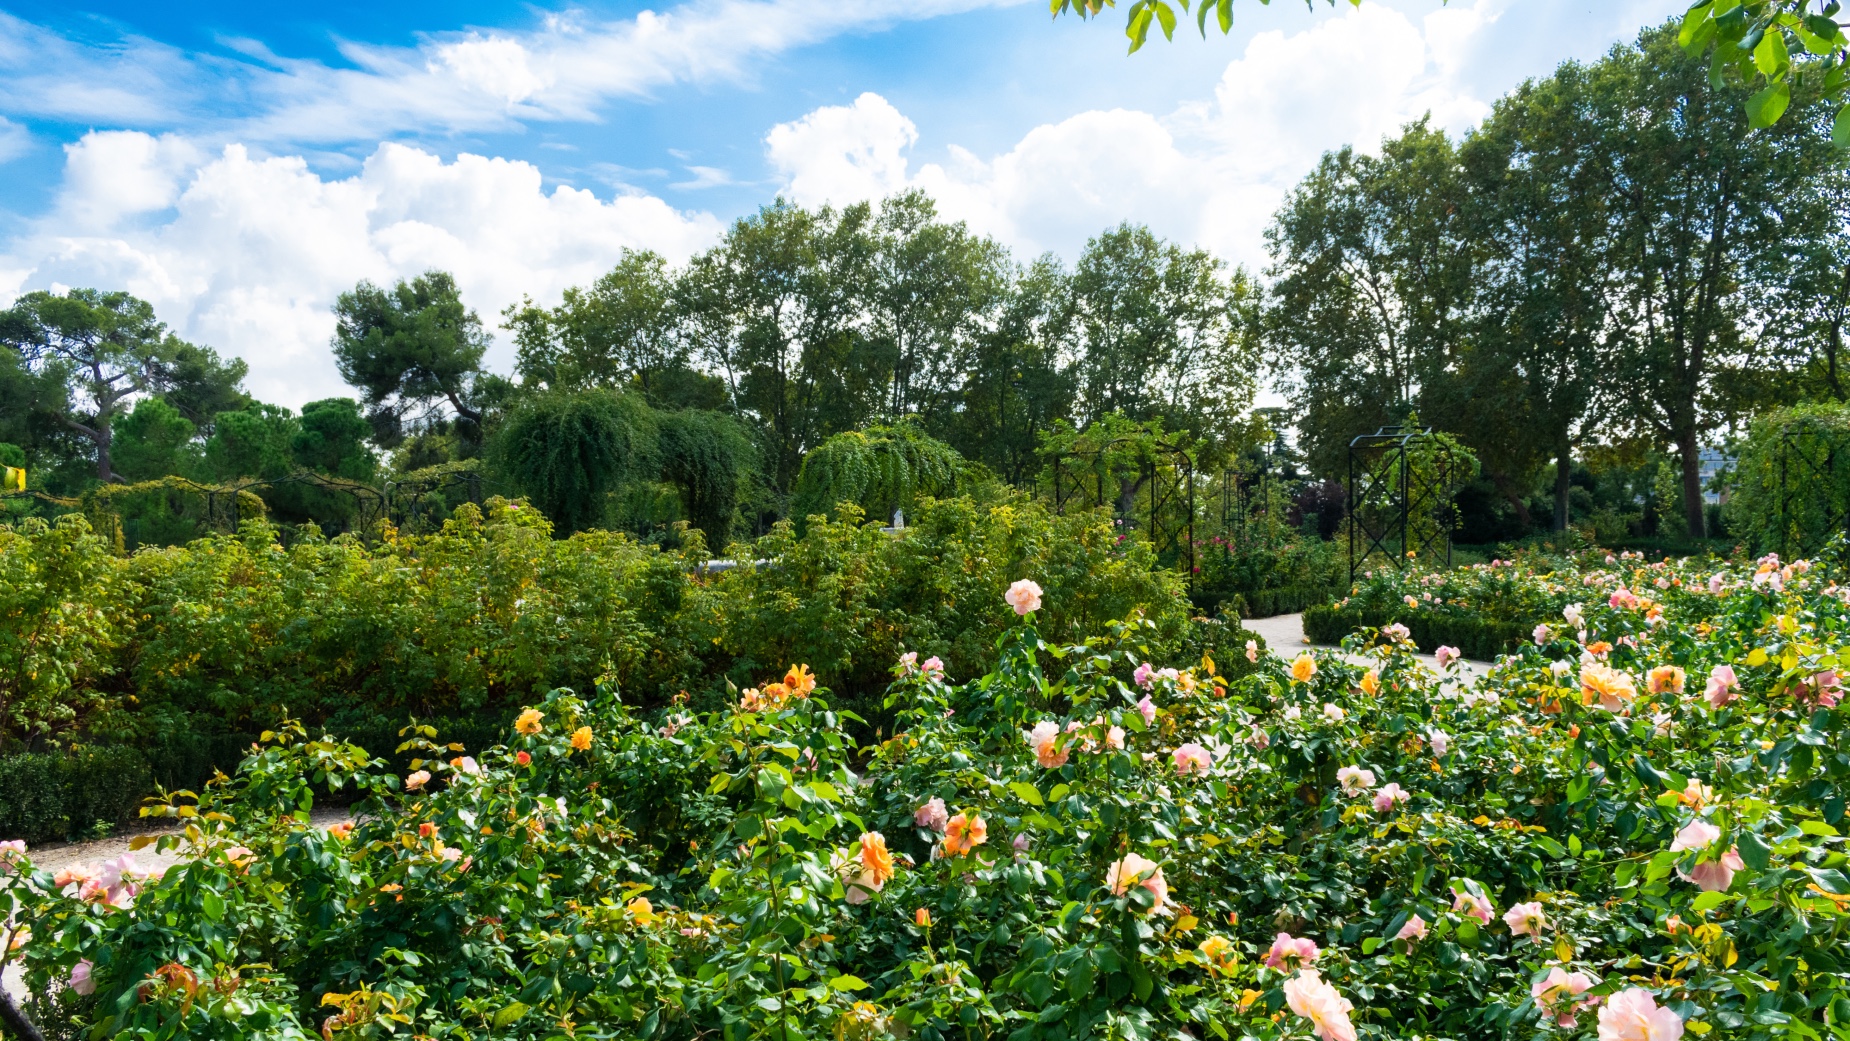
[(331, 439), (1790, 486), (61, 597), (570, 450), (151, 441), (708, 458), (1146, 835), (410, 350), (52, 796), (254, 442), (880, 469)]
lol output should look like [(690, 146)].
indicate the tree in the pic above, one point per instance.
[(93, 352), (253, 442), (569, 450), (1539, 223), (932, 288), (880, 469), (151, 441), (1018, 384), (331, 439), (409, 351), (708, 458), (1705, 209), (1371, 289), (1159, 332)]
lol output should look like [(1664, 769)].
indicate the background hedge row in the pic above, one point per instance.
[(1479, 638)]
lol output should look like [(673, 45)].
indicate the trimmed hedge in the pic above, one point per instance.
[(1265, 603), (45, 797), (1474, 637)]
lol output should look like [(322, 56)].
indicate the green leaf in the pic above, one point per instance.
[(1026, 793), (846, 982), (212, 904), (1771, 56), (1765, 107), (1166, 16), (1818, 828), (1830, 880), (1840, 128), (506, 1017), (1369, 944), (1060, 791), (1578, 788), (1708, 901), (1225, 11), (1697, 17), (1754, 853)]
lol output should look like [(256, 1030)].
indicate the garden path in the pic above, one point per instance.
[(1285, 633)]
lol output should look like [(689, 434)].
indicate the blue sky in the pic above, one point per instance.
[(239, 164)]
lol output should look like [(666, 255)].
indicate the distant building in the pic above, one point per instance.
[(1709, 462)]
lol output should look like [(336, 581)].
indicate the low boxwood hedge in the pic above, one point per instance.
[(48, 796), (1477, 638)]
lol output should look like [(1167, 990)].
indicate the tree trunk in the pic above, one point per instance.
[(1564, 472), (1692, 481)]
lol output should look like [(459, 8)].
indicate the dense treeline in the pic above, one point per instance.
[(1608, 276)]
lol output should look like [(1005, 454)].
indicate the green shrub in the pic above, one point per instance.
[(1475, 637), (48, 796)]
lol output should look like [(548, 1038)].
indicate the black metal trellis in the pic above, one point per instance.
[(1168, 476), (1812, 459), (1386, 495), (408, 501), (1242, 493), (368, 503)]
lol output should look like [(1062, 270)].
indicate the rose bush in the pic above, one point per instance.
[(1072, 845)]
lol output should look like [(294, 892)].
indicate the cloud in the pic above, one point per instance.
[(1210, 172), (14, 140), (248, 254), (564, 69)]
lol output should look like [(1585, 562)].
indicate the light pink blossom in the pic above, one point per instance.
[(1145, 676), (1446, 656), (1475, 906), (1390, 796), (1633, 1015), (1132, 870), (416, 780), (1319, 1002), (1024, 596), (1415, 929), (1147, 709), (1191, 758), (1441, 741), (1114, 738), (1289, 953), (1556, 994), (1045, 740), (933, 668), (1259, 739), (11, 852), (1542, 634), (1526, 920), (909, 662), (83, 980), (1722, 686), (1355, 779), (1252, 651), (933, 815)]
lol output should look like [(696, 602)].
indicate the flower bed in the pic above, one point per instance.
[(1632, 827)]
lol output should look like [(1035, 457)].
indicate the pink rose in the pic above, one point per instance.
[(933, 815), (1441, 741), (1446, 656), (1252, 651), (1556, 994), (1145, 676), (1542, 635), (1526, 920), (1415, 929), (1722, 686), (1191, 758), (1633, 1015), (1317, 1001), (1147, 709), (1024, 596), (933, 668), (1390, 796), (1045, 740), (1477, 907), (417, 780), (83, 980), (1289, 953)]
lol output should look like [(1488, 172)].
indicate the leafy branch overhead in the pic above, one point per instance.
[(1776, 46)]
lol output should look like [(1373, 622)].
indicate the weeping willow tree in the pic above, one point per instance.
[(880, 469), (569, 450), (707, 457)]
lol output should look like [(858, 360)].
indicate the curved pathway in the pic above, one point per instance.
[(1284, 634)]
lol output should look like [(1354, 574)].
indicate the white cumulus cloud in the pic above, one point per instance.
[(248, 253)]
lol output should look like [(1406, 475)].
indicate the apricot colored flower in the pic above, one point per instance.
[(342, 831), (1132, 870), (1045, 740), (529, 722), (522, 758), (581, 739), (1024, 596), (1289, 953), (1477, 907), (799, 681), (416, 780), (241, 857), (1526, 920), (1633, 1015), (1303, 667), (932, 815), (1606, 687), (1665, 679), (1319, 1002), (641, 910), (1371, 683), (963, 833), (1415, 929), (1218, 950), (875, 860), (1252, 650), (922, 918), (1191, 758)]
